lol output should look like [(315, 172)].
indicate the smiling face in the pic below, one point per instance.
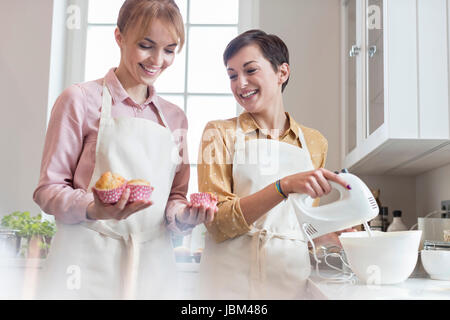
[(145, 58), (254, 82)]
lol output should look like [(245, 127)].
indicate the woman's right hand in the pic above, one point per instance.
[(313, 183), (98, 210)]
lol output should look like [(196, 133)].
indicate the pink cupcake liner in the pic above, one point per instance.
[(204, 198), (139, 192), (110, 196)]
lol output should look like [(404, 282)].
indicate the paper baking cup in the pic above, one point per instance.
[(110, 196), (139, 192), (204, 198)]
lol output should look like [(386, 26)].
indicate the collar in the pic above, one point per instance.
[(248, 124), (119, 94)]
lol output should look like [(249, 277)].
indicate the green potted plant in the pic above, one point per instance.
[(37, 234)]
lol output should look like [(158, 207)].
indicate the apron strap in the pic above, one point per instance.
[(132, 243), (302, 139), (161, 114), (260, 237), (106, 103), (239, 144)]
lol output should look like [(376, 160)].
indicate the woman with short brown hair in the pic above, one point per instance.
[(254, 247)]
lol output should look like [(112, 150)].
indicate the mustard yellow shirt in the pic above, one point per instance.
[(215, 166)]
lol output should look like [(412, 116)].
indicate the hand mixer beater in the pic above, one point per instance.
[(354, 207)]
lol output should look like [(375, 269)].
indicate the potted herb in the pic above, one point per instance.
[(36, 233)]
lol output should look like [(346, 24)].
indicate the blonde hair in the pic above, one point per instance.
[(143, 13)]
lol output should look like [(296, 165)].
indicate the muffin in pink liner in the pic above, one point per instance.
[(207, 199), (139, 190), (109, 187)]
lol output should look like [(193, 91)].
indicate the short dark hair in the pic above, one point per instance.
[(271, 46)]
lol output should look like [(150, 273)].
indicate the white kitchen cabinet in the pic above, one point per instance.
[(395, 92)]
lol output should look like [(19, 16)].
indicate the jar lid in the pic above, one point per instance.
[(397, 213), (436, 245)]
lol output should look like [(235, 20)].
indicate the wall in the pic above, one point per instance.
[(310, 29), (396, 193), (431, 188), (24, 77), (58, 58)]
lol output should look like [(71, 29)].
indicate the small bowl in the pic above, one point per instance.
[(436, 263), (384, 258)]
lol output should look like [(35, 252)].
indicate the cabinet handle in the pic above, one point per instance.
[(372, 51), (354, 51)]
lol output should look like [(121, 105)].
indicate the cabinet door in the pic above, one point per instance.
[(433, 55), (374, 65), (351, 53)]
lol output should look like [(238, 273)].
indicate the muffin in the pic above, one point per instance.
[(140, 189), (207, 199), (110, 187)]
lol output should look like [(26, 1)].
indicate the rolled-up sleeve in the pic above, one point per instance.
[(215, 175), (55, 193)]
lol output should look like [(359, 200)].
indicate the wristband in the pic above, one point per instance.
[(278, 187)]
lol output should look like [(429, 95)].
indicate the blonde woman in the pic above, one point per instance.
[(119, 124)]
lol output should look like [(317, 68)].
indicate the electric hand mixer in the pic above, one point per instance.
[(354, 207)]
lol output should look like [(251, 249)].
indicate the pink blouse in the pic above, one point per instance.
[(69, 152)]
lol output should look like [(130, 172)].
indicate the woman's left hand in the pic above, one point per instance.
[(331, 239), (196, 214)]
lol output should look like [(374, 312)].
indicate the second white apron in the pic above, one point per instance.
[(272, 260)]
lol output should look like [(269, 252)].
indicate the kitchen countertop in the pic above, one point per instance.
[(18, 277), (416, 287), (419, 286)]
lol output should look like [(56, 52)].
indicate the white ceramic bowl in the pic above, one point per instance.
[(384, 258), (436, 263)]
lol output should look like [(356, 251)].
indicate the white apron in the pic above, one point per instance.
[(131, 258), (272, 260)]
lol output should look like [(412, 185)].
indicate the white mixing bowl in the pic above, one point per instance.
[(384, 258), (436, 263)]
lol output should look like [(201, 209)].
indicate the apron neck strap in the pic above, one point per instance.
[(302, 139), (161, 114), (239, 143), (106, 102), (107, 105), (240, 137)]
